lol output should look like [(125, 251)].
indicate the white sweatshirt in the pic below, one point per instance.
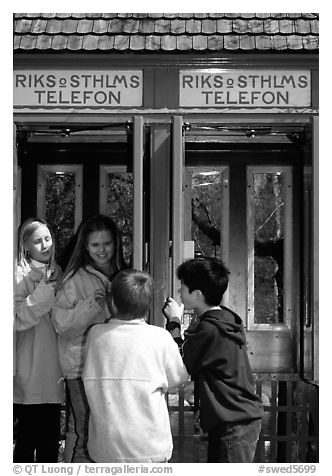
[(129, 366)]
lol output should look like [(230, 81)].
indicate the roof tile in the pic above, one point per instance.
[(75, 43), (137, 42), (271, 26), (69, 26), (105, 42), (78, 15), (248, 15), (302, 26), (279, 42), (232, 42), (310, 42), (263, 42), (294, 42), (59, 42), (200, 15), (293, 15), (209, 26), (38, 26), (84, 26), (115, 26), (44, 42), (216, 15), (314, 25), (184, 42), (163, 26), (29, 42), (287, 26), (256, 26), (23, 26), (200, 42), (224, 26), (17, 42), (93, 15), (63, 15), (121, 42), (240, 26), (54, 26), (215, 42), (152, 42), (90, 42), (247, 42), (146, 26), (263, 15), (168, 43), (136, 15), (193, 26), (100, 26), (171, 15), (131, 26), (178, 27), (48, 15), (155, 15), (125, 15)]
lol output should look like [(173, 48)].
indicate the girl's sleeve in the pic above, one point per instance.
[(30, 309), (71, 316)]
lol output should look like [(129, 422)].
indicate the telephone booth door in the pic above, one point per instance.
[(241, 196)]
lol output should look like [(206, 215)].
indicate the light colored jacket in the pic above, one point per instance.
[(129, 367), (38, 377), (73, 314)]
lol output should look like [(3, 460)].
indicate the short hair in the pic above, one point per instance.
[(209, 275), (131, 291)]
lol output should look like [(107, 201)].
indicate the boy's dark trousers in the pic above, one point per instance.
[(234, 443), (38, 429)]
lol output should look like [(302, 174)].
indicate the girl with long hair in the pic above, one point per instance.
[(81, 303)]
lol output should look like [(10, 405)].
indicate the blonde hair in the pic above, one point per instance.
[(27, 228)]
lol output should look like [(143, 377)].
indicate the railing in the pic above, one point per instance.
[(289, 424)]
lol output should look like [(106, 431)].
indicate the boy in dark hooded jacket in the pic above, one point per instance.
[(215, 353)]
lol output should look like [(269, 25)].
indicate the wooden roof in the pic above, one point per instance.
[(165, 32)]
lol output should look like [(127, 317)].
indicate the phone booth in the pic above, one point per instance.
[(198, 134)]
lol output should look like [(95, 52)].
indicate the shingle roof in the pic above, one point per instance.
[(165, 32)]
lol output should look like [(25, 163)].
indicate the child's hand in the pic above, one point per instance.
[(189, 392), (172, 310), (100, 297)]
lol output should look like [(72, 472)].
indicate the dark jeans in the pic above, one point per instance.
[(234, 443), (37, 430), (81, 413)]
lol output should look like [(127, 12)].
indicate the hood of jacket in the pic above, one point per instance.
[(227, 322)]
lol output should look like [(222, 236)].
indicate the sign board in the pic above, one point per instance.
[(78, 88), (217, 88)]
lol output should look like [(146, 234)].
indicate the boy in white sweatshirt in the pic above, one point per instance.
[(129, 367)]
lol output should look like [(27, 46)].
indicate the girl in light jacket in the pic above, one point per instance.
[(38, 383), (81, 303)]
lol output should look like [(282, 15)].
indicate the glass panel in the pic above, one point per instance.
[(269, 227), (60, 206), (206, 211), (120, 203)]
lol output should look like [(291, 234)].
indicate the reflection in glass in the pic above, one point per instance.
[(269, 228), (120, 202), (60, 206), (206, 211)]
